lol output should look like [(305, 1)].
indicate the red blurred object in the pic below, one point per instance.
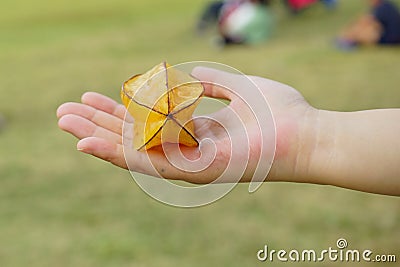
[(300, 4)]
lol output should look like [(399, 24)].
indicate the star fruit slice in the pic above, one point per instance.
[(161, 102)]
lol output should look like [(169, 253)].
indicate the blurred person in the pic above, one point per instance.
[(356, 150), (381, 26), (238, 21), (245, 22)]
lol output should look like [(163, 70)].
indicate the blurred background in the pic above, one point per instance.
[(59, 207)]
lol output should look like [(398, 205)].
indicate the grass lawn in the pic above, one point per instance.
[(59, 207)]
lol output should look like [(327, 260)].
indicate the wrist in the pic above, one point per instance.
[(319, 151), (299, 141)]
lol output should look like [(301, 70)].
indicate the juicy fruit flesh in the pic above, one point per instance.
[(162, 102)]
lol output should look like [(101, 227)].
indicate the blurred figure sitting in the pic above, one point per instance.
[(381, 26), (238, 21)]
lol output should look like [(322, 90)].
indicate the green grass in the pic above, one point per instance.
[(59, 207)]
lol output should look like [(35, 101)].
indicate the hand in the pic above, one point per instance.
[(98, 123), (356, 150)]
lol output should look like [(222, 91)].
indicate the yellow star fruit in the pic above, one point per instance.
[(161, 102)]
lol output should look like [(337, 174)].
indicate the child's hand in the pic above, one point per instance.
[(357, 150)]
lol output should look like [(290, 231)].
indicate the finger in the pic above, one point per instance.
[(152, 162), (104, 103), (81, 127), (118, 155), (103, 149), (100, 118), (217, 83)]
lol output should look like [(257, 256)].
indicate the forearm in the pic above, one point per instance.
[(356, 150)]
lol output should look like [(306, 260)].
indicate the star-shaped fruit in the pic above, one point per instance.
[(161, 102)]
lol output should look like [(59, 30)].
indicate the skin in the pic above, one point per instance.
[(355, 150)]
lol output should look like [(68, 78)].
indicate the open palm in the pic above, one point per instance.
[(232, 137)]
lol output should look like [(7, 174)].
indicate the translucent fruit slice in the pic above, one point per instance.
[(162, 102)]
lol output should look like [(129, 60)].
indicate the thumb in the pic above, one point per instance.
[(218, 83)]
